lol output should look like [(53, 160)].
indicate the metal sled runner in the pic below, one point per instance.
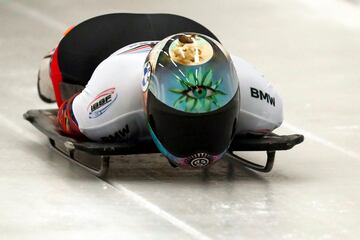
[(45, 121)]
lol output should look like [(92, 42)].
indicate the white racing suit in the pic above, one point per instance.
[(110, 108)]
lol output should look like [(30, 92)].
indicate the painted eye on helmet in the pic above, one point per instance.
[(199, 92)]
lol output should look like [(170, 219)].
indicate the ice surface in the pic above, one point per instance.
[(313, 191)]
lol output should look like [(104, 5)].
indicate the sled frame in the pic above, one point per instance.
[(45, 121)]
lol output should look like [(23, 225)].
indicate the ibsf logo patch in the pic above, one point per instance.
[(146, 78), (102, 102)]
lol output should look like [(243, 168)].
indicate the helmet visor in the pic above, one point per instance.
[(184, 134)]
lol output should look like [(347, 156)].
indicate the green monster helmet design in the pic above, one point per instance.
[(191, 95)]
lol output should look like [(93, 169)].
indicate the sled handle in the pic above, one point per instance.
[(254, 166), (99, 172)]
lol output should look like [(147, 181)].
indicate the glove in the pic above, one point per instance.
[(66, 119)]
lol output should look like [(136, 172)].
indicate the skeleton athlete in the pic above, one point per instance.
[(183, 90)]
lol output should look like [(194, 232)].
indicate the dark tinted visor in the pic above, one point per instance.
[(183, 134)]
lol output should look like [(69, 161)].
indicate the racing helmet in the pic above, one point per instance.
[(191, 99)]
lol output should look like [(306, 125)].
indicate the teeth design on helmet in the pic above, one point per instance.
[(199, 160), (198, 92)]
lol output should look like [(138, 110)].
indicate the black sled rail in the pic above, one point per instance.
[(269, 143), (45, 121)]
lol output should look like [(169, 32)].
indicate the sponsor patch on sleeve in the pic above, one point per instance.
[(102, 103)]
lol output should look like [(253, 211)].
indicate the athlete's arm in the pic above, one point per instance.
[(261, 108), (110, 108)]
